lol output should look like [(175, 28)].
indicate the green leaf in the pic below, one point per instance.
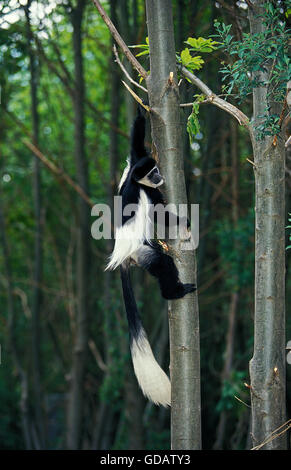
[(192, 63), (201, 44), (142, 53), (186, 56)]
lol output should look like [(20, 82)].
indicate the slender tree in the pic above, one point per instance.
[(267, 367), (166, 133), (167, 139), (38, 248), (21, 372), (234, 297), (76, 396)]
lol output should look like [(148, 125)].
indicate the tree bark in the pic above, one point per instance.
[(183, 313), (267, 366), (76, 395)]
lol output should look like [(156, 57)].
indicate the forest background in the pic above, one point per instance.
[(64, 138)]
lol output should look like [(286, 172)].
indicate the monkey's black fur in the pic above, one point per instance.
[(156, 262), (139, 185)]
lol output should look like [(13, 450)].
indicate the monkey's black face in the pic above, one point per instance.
[(146, 172), (153, 178)]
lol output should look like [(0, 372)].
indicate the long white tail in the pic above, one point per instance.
[(153, 381)]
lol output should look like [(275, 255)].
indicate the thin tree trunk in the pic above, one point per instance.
[(183, 313), (108, 321), (24, 405), (76, 396), (38, 256), (230, 337), (267, 367)]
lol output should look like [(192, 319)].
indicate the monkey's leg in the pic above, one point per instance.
[(162, 266)]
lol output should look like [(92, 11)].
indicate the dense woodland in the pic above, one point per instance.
[(66, 378)]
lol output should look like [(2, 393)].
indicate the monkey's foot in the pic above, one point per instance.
[(179, 291)]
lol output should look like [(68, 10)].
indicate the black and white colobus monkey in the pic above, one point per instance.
[(139, 185)]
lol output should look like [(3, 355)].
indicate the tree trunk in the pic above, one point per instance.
[(38, 256), (76, 396), (24, 405), (183, 313), (234, 299), (267, 366)]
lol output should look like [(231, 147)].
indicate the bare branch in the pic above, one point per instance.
[(136, 97), (97, 355), (125, 71), (58, 171), (135, 63)]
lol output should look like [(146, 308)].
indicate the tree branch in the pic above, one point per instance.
[(136, 97), (58, 171), (135, 63), (125, 71), (215, 100)]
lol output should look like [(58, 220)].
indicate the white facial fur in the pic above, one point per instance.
[(147, 182)]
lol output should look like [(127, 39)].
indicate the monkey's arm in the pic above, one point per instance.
[(170, 219)]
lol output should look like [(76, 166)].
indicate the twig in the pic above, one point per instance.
[(244, 403), (274, 434), (251, 162), (186, 105), (119, 40), (58, 171), (97, 355), (136, 97), (125, 71)]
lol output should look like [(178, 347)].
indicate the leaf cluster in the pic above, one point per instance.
[(188, 56), (193, 124), (258, 60)]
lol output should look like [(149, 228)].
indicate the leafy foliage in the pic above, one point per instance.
[(193, 124), (192, 63), (201, 44), (258, 60), (195, 62)]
